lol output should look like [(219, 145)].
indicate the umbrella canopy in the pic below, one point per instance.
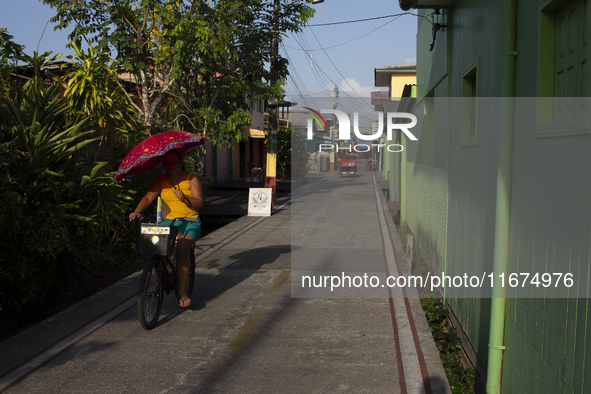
[(149, 153)]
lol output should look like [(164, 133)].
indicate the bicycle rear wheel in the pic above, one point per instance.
[(191, 278), (150, 294)]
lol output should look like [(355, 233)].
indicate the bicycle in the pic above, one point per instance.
[(160, 275), (371, 165)]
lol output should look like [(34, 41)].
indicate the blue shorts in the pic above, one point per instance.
[(192, 229)]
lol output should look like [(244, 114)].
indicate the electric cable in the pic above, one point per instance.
[(297, 80), (334, 65), (363, 20), (302, 42), (319, 77), (395, 17)]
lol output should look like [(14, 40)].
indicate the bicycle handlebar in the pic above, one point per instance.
[(143, 218)]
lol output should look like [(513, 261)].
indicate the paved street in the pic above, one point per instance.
[(252, 327)]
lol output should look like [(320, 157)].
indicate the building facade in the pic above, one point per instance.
[(497, 180), (395, 78)]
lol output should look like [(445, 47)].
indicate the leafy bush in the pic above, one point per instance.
[(32, 242), (59, 210), (448, 345)]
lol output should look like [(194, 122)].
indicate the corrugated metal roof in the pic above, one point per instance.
[(412, 66)]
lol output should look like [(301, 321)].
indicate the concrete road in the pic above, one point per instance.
[(245, 332)]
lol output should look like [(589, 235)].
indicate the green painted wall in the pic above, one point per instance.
[(550, 230), (425, 180), (431, 66), (470, 227), (394, 174), (403, 208), (463, 216), (450, 208), (546, 346), (424, 162), (425, 211), (385, 162)]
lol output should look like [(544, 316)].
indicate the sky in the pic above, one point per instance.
[(347, 54), (320, 56)]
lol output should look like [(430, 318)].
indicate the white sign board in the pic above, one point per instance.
[(260, 201)]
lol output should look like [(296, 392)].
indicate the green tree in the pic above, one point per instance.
[(292, 156), (194, 61), (233, 63), (93, 90), (10, 54)]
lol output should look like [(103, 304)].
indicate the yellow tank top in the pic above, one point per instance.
[(177, 208)]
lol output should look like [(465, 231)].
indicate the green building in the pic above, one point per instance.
[(498, 180)]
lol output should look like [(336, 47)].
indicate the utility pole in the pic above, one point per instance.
[(271, 179), (333, 128)]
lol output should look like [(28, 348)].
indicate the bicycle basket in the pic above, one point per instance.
[(156, 239)]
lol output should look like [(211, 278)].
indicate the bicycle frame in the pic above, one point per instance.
[(167, 274)]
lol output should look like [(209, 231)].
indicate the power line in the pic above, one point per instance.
[(296, 82), (364, 20), (350, 41), (334, 65), (319, 77)]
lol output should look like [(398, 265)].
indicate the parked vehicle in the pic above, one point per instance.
[(348, 164)]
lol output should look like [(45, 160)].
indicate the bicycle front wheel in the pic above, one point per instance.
[(149, 296)]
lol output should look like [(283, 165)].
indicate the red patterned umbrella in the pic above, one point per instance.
[(149, 153)]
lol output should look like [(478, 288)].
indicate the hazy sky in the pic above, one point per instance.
[(351, 51)]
